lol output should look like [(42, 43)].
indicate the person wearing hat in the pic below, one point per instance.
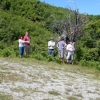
[(51, 46)]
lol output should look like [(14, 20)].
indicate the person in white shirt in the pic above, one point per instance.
[(70, 49), (21, 45), (51, 46)]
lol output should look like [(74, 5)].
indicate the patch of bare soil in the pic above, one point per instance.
[(39, 82)]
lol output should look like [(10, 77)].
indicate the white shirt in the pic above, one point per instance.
[(51, 44), (21, 43), (70, 48)]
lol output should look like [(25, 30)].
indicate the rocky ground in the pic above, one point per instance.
[(36, 81)]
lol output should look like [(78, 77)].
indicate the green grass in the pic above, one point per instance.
[(5, 97), (52, 65), (7, 76), (72, 98), (55, 93)]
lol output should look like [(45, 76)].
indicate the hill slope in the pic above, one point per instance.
[(17, 17), (44, 21), (23, 79)]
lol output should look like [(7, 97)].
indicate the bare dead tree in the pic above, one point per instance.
[(70, 28)]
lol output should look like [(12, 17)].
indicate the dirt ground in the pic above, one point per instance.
[(23, 81)]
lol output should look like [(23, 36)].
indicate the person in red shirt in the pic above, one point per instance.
[(27, 45)]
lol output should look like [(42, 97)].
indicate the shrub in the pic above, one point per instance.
[(57, 59), (90, 63), (78, 53), (38, 57), (44, 53), (50, 58), (98, 67), (6, 53), (83, 63)]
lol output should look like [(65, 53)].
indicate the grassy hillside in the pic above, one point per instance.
[(17, 17), (31, 79)]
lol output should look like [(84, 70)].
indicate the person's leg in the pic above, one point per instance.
[(53, 52), (62, 55), (59, 53), (72, 58), (20, 51), (49, 51), (68, 57), (27, 49)]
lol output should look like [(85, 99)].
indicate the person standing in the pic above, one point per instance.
[(70, 49), (61, 45), (27, 45), (21, 46), (51, 46)]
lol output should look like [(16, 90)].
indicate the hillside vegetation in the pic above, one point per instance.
[(17, 17), (39, 19)]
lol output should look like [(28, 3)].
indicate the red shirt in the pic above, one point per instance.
[(27, 38)]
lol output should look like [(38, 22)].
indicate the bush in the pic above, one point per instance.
[(98, 67), (44, 53), (90, 63), (83, 63), (50, 58), (38, 57), (6, 53), (57, 59), (78, 53)]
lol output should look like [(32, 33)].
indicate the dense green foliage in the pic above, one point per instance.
[(19, 16), (89, 44)]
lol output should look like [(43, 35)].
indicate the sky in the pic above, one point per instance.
[(91, 7)]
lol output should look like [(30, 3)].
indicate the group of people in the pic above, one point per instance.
[(24, 44), (62, 48)]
